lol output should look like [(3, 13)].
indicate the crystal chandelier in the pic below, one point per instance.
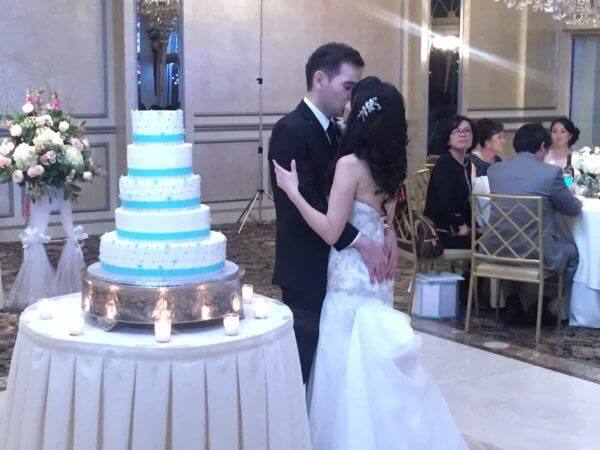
[(573, 12), (160, 20)]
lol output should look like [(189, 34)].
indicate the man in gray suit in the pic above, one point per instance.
[(527, 174)]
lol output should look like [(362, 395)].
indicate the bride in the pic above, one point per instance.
[(368, 390)]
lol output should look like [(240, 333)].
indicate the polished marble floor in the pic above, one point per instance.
[(501, 403)]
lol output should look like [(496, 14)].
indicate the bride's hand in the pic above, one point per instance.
[(287, 180)]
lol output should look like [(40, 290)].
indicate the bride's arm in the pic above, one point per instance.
[(328, 226)]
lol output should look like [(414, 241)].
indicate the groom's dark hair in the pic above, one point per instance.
[(329, 59)]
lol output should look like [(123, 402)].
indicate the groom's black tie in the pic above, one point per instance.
[(332, 134)]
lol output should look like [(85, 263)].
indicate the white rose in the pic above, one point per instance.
[(63, 126), (6, 147), (16, 130), (87, 176), (17, 176), (46, 135), (73, 157), (86, 143), (27, 108), (24, 156)]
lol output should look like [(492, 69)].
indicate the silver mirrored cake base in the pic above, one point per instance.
[(115, 298)]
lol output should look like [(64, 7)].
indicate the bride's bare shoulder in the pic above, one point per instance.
[(348, 162)]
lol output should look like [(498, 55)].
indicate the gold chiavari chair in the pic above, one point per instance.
[(510, 246)]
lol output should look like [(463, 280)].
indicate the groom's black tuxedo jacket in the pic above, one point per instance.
[(301, 256)]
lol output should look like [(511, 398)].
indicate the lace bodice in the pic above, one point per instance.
[(346, 271)]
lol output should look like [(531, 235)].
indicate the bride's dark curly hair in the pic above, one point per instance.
[(380, 139)]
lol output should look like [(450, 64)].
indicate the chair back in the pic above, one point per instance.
[(404, 223), (431, 159), (507, 229), (419, 191)]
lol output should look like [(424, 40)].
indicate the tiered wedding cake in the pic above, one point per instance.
[(163, 237), (162, 228)]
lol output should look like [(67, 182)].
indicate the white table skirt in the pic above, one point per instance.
[(121, 390), (585, 294)]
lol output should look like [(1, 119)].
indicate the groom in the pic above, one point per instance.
[(309, 135)]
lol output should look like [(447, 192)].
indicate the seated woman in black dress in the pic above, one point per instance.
[(448, 194)]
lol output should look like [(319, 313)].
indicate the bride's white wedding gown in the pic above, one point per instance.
[(368, 390)]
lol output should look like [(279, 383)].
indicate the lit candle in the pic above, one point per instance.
[(75, 324), (235, 303), (261, 308), (111, 311), (162, 328), (87, 303), (205, 312), (247, 293), (231, 323), (44, 308)]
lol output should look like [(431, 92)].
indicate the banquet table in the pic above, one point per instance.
[(121, 390), (584, 307)]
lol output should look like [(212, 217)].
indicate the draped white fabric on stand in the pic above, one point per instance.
[(36, 275), (71, 263)]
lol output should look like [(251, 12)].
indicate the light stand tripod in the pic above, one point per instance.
[(260, 192)]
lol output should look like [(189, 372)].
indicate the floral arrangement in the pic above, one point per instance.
[(46, 150), (586, 165)]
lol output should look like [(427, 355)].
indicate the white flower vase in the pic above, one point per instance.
[(35, 279), (71, 264)]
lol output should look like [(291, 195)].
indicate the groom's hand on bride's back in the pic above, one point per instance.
[(374, 258)]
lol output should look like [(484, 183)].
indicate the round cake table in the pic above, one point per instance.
[(121, 390)]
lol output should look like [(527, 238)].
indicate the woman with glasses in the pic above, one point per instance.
[(449, 189)]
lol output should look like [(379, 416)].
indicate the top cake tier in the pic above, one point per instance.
[(156, 127)]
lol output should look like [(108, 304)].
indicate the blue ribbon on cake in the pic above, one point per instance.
[(164, 236), (157, 138), (167, 204), (160, 172), (162, 273)]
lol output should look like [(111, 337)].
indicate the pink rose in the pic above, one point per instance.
[(35, 171), (17, 176), (77, 144), (48, 157), (4, 162)]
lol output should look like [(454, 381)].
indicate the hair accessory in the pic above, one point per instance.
[(369, 106)]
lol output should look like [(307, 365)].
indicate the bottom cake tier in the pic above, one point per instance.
[(122, 298), (162, 259)]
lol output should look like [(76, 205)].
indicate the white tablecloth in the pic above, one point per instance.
[(585, 294), (121, 390)]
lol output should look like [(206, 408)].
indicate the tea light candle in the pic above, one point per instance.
[(87, 303), (44, 308), (162, 328), (247, 292), (75, 324), (111, 311), (235, 303), (261, 308), (231, 323)]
